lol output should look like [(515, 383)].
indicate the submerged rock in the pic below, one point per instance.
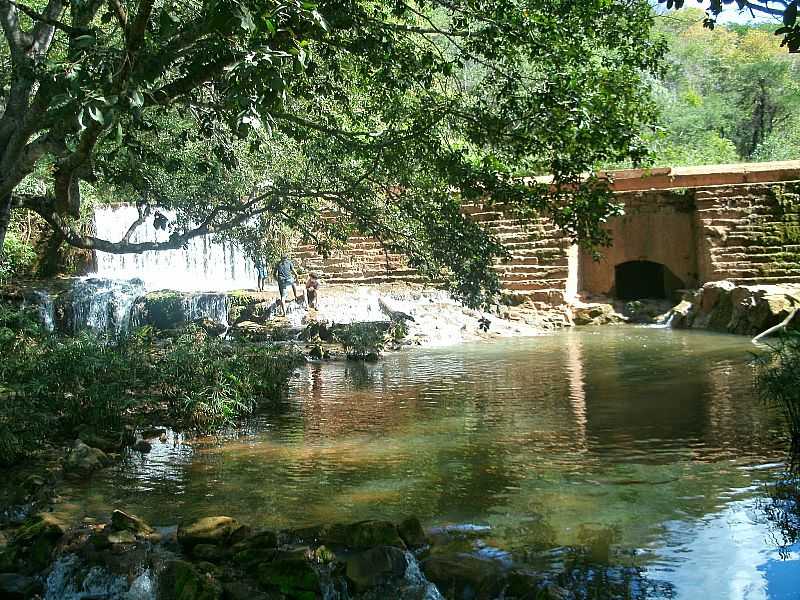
[(83, 459), (208, 530)]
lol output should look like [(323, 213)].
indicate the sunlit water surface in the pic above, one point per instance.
[(643, 447)]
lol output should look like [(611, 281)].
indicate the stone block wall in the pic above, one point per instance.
[(734, 222), (749, 234), (538, 268)]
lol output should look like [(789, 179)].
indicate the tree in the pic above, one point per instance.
[(784, 9), (240, 115)]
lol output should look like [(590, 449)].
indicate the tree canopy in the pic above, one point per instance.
[(244, 117), (786, 10)]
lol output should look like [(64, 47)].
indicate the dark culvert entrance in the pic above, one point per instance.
[(638, 279)]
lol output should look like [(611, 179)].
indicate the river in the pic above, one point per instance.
[(635, 459)]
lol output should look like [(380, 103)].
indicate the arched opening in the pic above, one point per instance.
[(638, 279)]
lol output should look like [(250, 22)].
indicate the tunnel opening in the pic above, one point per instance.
[(638, 279)]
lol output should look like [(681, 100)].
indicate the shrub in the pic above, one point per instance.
[(360, 340), (50, 385), (17, 259)]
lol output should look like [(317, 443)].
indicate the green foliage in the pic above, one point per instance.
[(51, 385), (260, 120), (778, 383), (18, 258), (727, 95), (362, 340)]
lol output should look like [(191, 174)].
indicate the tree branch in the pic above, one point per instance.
[(121, 14), (47, 18), (18, 40)]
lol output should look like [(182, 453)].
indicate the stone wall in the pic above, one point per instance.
[(722, 222)]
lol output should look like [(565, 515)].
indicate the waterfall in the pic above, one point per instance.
[(102, 305), (203, 264), (207, 305)]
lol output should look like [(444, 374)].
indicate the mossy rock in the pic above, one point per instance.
[(162, 310), (208, 530), (39, 536), (121, 521), (364, 534), (180, 580), (292, 576)]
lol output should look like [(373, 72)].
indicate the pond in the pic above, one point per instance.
[(636, 459)]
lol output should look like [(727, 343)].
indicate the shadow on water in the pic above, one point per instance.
[(627, 462)]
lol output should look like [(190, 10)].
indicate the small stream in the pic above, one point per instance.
[(631, 459)]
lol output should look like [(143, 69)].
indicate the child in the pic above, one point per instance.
[(312, 290)]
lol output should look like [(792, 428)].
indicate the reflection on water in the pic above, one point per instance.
[(643, 448)]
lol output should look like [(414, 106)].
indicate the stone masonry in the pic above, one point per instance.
[(724, 222)]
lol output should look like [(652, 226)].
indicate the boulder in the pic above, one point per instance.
[(211, 327), (121, 521), (361, 535), (464, 576), (207, 552), (180, 580), (18, 587), (83, 460), (121, 537), (371, 567), (595, 314), (208, 530), (292, 576), (411, 532), (39, 536)]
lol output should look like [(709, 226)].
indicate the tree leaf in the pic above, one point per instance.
[(96, 114)]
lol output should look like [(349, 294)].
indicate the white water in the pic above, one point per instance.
[(203, 265)]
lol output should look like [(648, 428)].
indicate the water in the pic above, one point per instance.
[(99, 304), (203, 264), (633, 459)]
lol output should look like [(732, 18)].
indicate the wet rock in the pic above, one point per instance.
[(369, 568), (142, 446), (18, 587), (207, 552), (180, 580), (83, 460), (121, 537), (106, 443), (208, 530), (293, 576), (122, 521), (39, 536), (411, 532), (364, 534), (153, 433), (464, 576), (211, 327), (242, 590)]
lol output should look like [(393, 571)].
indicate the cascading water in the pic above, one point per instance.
[(208, 306), (99, 304), (202, 265), (71, 579)]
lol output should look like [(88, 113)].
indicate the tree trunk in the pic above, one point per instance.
[(5, 219)]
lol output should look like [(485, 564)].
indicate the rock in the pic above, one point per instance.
[(180, 580), (82, 460), (464, 576), (680, 315), (361, 535), (207, 552), (94, 440), (142, 446), (369, 568), (595, 314), (242, 590), (211, 327), (39, 535), (411, 532), (292, 576), (121, 521), (14, 586), (208, 530), (121, 537)]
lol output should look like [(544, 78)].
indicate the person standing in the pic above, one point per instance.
[(261, 269), (312, 290), (286, 276)]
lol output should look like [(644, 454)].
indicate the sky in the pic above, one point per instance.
[(730, 14)]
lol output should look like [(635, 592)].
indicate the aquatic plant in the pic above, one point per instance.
[(778, 383)]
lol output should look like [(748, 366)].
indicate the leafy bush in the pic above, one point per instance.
[(51, 385), (778, 382), (17, 259), (362, 340)]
